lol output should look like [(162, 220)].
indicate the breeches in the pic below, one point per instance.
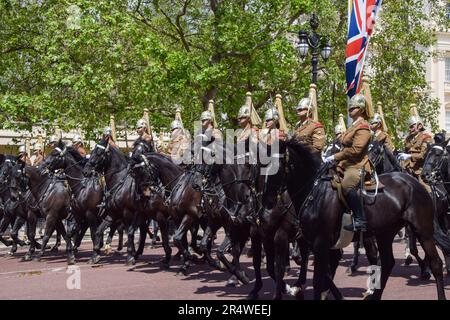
[(352, 179)]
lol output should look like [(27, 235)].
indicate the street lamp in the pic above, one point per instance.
[(315, 42)]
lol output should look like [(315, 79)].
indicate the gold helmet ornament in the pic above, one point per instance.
[(339, 129)]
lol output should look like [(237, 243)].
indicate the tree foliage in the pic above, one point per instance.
[(76, 62)]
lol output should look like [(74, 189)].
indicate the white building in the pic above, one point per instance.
[(438, 75)]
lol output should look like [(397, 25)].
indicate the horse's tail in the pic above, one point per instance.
[(441, 237)]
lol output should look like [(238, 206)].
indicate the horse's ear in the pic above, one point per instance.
[(61, 144)]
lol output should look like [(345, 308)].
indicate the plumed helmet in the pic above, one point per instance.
[(22, 150), (338, 129), (206, 115), (176, 124), (376, 119), (358, 101), (304, 104), (53, 139), (244, 112), (76, 139), (37, 146), (141, 124), (271, 114), (413, 120), (107, 131)]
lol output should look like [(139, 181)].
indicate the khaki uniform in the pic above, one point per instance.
[(353, 156), (311, 134), (416, 145), (178, 146), (385, 139), (246, 133), (37, 160), (26, 159)]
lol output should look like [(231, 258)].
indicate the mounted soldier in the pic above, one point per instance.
[(108, 134), (379, 129), (353, 160), (179, 141), (416, 144), (23, 155), (308, 130), (142, 130), (78, 145), (271, 132), (38, 155)]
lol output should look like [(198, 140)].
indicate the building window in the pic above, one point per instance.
[(447, 69), (447, 120), (447, 11)]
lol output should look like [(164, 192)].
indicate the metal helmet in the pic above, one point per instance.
[(271, 114), (413, 120), (107, 131), (338, 129), (37, 146), (176, 124), (206, 115), (358, 101), (77, 139), (53, 139), (141, 124), (22, 150), (376, 119), (244, 112), (304, 104)]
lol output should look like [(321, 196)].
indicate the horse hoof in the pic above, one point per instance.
[(22, 243), (233, 281), (182, 272), (54, 249), (368, 296), (252, 296), (75, 250), (27, 257), (243, 278), (408, 261), (37, 259), (131, 261), (425, 276), (94, 259), (70, 260), (165, 266)]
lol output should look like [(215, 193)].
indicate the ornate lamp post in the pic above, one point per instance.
[(315, 42)]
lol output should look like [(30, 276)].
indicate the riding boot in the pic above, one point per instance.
[(360, 221)]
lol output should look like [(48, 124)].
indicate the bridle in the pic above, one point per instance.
[(435, 169)]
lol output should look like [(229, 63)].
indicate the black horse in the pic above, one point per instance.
[(120, 198), (436, 173), (403, 201), (87, 192), (52, 198)]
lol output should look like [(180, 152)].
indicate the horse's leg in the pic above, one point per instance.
[(120, 231), (18, 223), (58, 241), (135, 223), (432, 256), (50, 224), (206, 246), (322, 280), (31, 233), (163, 225), (3, 226), (281, 246), (143, 228), (67, 238), (95, 258), (384, 243), (425, 273), (304, 253), (194, 233), (223, 248), (179, 240), (335, 257), (354, 266), (371, 250), (80, 235), (257, 250), (109, 239), (409, 239)]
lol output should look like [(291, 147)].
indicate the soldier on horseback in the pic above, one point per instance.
[(78, 145), (23, 155), (143, 132), (179, 141), (415, 149), (307, 131), (108, 134), (353, 160), (271, 133), (38, 155), (246, 130), (376, 125)]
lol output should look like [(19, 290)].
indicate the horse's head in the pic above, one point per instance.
[(376, 149), (98, 157), (55, 160), (19, 180), (6, 170), (140, 147), (436, 155)]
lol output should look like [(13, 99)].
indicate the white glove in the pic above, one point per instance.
[(404, 156), (88, 156), (329, 159)]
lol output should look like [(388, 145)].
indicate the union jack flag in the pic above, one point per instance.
[(362, 15)]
